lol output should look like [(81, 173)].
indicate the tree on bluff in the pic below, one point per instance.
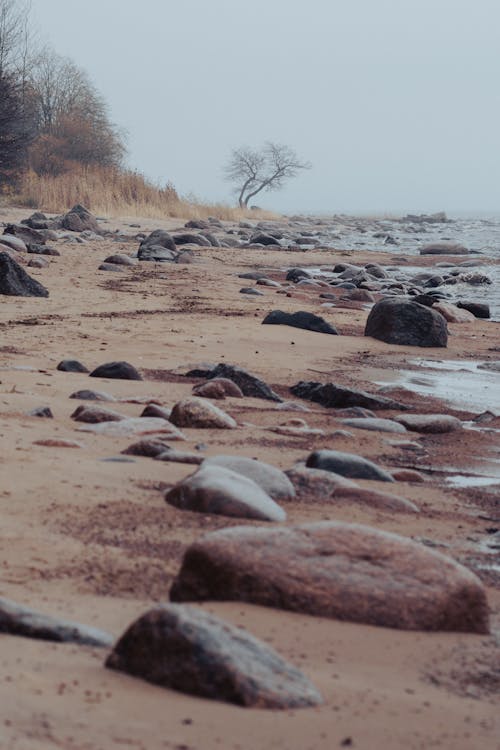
[(15, 131), (253, 171)]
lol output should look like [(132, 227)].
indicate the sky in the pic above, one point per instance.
[(396, 103)]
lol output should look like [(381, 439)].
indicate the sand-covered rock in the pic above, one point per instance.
[(190, 650), (347, 571)]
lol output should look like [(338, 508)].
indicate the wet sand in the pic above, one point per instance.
[(94, 540)]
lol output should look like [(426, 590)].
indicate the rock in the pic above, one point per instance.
[(218, 388), (398, 321), (120, 259), (335, 396), (214, 489), (35, 249), (136, 426), (453, 314), (16, 619), (15, 243), (179, 457), (38, 263), (95, 414), (354, 411), (58, 443), (156, 254), (253, 275), (301, 319), (269, 282), (478, 309), (116, 370), (430, 423), (192, 651), (296, 274), (331, 569), (14, 281), (149, 448), (86, 395), (382, 425), (251, 291), (273, 481), (291, 406), (189, 238), (158, 238), (375, 499), (407, 475), (71, 365), (45, 412), (263, 239), (79, 219), (196, 224), (347, 465), (444, 248), (200, 413), (249, 384), (315, 485), (110, 267), (299, 431), (153, 410)]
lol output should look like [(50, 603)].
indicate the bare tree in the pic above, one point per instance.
[(253, 171), (15, 130), (14, 36)]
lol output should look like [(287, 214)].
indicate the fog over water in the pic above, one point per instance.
[(396, 102)]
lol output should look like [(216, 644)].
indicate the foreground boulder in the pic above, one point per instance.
[(200, 413), (192, 651), (117, 371), (336, 397), (306, 320), (16, 619), (214, 489), (347, 465), (270, 479), (400, 321), (347, 571), (14, 281)]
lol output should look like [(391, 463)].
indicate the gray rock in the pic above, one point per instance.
[(189, 650), (375, 424), (14, 281), (444, 248), (16, 619), (430, 423), (347, 465), (95, 414), (399, 321), (214, 489), (149, 448), (316, 485), (335, 396), (273, 481), (87, 395)]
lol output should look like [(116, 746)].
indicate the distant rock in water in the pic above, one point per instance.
[(400, 321), (300, 319), (14, 280)]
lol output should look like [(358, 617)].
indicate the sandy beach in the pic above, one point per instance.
[(89, 538)]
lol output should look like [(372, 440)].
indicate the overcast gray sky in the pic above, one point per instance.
[(395, 102)]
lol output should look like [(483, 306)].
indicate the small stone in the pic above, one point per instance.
[(154, 410), (45, 412), (87, 395), (375, 424), (218, 388), (116, 370), (179, 457), (407, 475), (300, 319), (347, 465), (58, 443), (429, 423), (249, 384), (136, 426), (95, 414), (149, 448), (315, 485), (71, 365)]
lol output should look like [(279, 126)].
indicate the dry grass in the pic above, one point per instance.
[(112, 192)]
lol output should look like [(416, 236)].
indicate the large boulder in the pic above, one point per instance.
[(195, 652), (215, 489), (200, 413), (79, 219), (300, 319), (160, 238), (347, 465), (272, 480), (400, 321), (14, 281), (329, 569)]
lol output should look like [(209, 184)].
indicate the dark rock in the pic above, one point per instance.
[(116, 370), (444, 248), (24, 233), (149, 448), (194, 652), (347, 571), (41, 411), (353, 411), (250, 384), (157, 254), (253, 275), (296, 274), (360, 295), (79, 219), (14, 280), (71, 365), (120, 259), (347, 465), (214, 489), (36, 249), (478, 309), (251, 291), (398, 321), (15, 619), (158, 238), (273, 481), (38, 262), (191, 239), (263, 239), (335, 396), (305, 320), (196, 224), (87, 395), (154, 410), (427, 300), (95, 414)]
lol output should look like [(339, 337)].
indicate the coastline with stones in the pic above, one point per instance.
[(221, 445)]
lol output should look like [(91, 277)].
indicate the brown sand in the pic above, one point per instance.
[(94, 541)]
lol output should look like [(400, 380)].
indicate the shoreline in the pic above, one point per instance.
[(94, 540)]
